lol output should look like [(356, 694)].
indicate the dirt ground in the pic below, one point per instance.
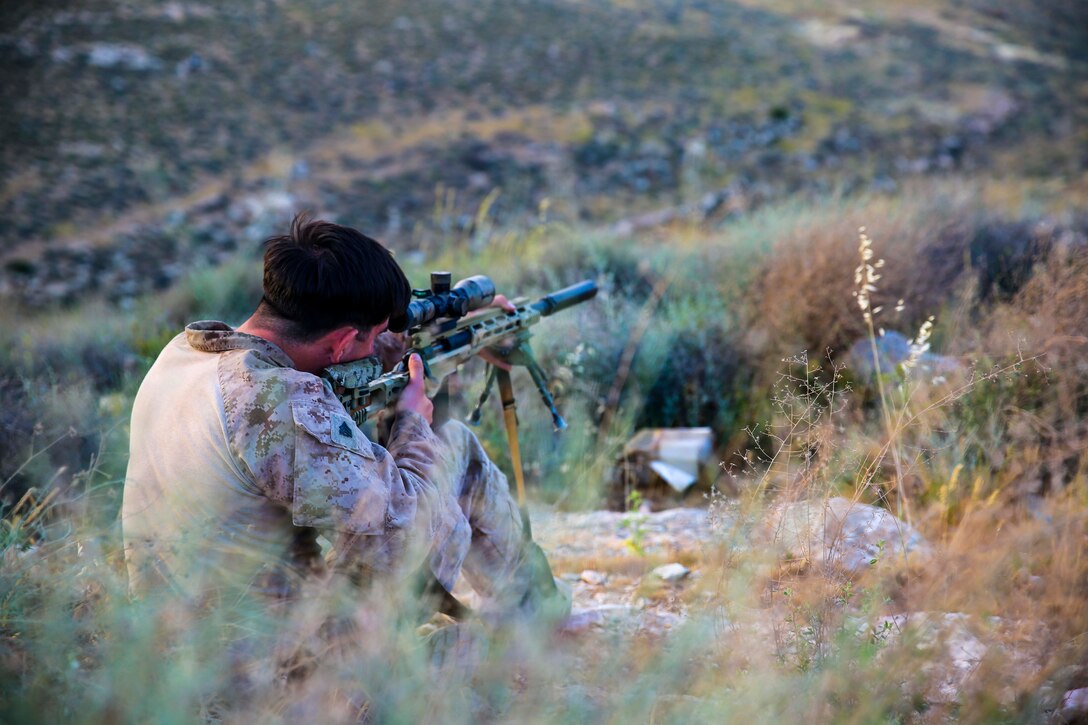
[(608, 559)]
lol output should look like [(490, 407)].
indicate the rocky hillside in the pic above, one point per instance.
[(144, 138)]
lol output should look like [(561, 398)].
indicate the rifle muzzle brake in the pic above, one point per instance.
[(566, 297)]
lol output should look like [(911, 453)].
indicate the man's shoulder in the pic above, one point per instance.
[(249, 373), (260, 398), (258, 394)]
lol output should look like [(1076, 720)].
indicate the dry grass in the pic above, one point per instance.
[(764, 638), (799, 298)]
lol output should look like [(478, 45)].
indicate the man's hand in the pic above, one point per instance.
[(502, 303), (390, 348), (414, 396), (505, 305)]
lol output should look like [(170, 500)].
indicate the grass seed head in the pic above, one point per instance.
[(866, 276)]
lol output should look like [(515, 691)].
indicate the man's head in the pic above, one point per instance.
[(322, 277)]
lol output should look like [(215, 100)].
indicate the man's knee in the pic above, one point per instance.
[(481, 487), (462, 442)]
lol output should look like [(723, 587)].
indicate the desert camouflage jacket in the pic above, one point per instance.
[(238, 461)]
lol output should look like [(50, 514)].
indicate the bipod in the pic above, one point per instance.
[(522, 355), (510, 418)]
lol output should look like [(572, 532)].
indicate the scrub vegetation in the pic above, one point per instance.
[(711, 166)]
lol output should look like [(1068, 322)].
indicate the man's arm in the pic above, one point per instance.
[(383, 508)]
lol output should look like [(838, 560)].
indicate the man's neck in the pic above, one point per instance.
[(303, 357)]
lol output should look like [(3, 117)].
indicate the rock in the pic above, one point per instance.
[(59, 55), (121, 55), (671, 573), (953, 657), (621, 617), (192, 64), (82, 149), (1074, 707), (832, 36), (953, 652), (846, 534), (589, 576), (581, 620), (1011, 53), (893, 349), (274, 202)]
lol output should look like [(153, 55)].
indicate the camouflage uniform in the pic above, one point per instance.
[(239, 461)]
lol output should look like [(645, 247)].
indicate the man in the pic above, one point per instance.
[(241, 456)]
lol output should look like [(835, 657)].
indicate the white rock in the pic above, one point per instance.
[(849, 535), (1075, 705), (590, 576), (953, 651), (600, 616), (671, 572), (828, 35), (121, 55)]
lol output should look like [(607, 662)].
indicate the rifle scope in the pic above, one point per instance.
[(442, 301)]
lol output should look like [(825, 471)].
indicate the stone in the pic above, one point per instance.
[(590, 576), (671, 573), (852, 536), (1074, 707), (581, 620), (631, 620), (951, 648), (892, 350), (826, 35), (953, 652), (121, 55)]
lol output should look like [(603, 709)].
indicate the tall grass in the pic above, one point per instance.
[(991, 466)]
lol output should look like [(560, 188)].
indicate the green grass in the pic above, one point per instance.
[(583, 113), (704, 316)]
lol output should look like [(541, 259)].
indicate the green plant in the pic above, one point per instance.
[(635, 522)]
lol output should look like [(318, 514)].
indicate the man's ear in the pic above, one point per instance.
[(338, 341)]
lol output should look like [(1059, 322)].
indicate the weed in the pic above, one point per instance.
[(753, 635), (635, 523)]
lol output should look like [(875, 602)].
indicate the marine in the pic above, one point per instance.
[(247, 478)]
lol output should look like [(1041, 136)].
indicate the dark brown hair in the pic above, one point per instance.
[(323, 275)]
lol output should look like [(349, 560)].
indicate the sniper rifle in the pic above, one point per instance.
[(445, 336)]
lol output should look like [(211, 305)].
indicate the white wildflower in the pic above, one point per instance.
[(865, 275), (919, 346)]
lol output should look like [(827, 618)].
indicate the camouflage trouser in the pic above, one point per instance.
[(504, 569), (484, 497)]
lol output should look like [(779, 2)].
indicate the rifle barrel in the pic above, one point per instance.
[(566, 297)]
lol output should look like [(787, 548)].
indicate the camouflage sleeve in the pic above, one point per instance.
[(383, 508), (258, 420)]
